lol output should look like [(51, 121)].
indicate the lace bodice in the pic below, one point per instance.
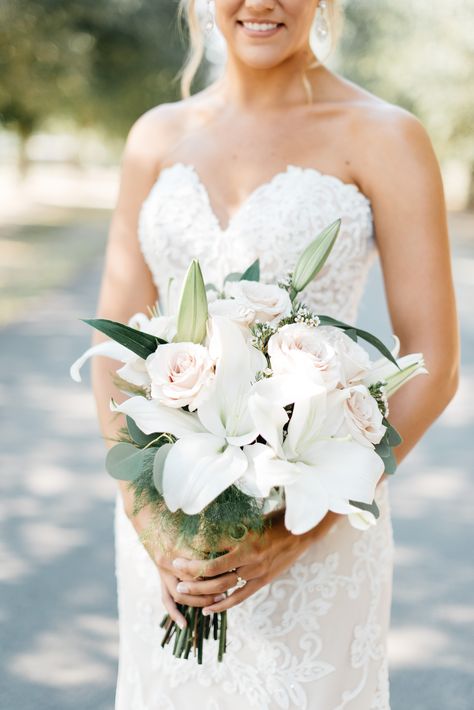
[(275, 223)]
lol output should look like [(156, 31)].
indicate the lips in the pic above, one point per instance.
[(260, 27)]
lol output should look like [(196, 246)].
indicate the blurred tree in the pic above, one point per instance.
[(419, 55), (100, 62)]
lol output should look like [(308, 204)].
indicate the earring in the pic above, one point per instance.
[(321, 27), (209, 21)]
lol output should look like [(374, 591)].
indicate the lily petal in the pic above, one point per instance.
[(108, 348), (197, 469), (347, 470), (307, 502), (152, 417)]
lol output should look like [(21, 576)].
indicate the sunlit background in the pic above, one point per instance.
[(73, 78)]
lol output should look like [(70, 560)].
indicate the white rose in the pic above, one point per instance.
[(362, 416), (270, 303), (180, 374), (298, 346), (355, 361), (240, 313)]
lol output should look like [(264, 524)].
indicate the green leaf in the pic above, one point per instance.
[(371, 507), (365, 335), (192, 312), (389, 461), (352, 333), (138, 436), (124, 461), (142, 344), (158, 465), (252, 273), (314, 257), (393, 437), (383, 448), (234, 276)]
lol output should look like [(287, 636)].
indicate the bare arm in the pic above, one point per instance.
[(127, 286), (412, 236)]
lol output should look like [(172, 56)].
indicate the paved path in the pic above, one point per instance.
[(58, 605)]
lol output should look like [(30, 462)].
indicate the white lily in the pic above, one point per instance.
[(318, 471), (384, 371), (207, 458)]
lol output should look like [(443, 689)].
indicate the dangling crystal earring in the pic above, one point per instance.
[(209, 21), (321, 25)]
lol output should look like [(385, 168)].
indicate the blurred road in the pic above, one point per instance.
[(58, 603)]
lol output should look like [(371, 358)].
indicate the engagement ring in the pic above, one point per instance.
[(240, 582)]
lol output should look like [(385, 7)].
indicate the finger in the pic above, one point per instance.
[(171, 608), (238, 557), (222, 583), (165, 564), (188, 599), (236, 598)]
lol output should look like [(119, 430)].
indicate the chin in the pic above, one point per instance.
[(261, 60)]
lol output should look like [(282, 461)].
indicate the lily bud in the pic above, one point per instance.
[(314, 256), (192, 313)]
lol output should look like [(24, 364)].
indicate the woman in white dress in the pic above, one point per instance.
[(254, 166)]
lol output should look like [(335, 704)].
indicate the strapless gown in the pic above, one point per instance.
[(314, 638)]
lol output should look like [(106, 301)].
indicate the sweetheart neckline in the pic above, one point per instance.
[(257, 190)]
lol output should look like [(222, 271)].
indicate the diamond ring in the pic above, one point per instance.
[(240, 582)]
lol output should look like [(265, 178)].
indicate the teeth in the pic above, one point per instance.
[(260, 26)]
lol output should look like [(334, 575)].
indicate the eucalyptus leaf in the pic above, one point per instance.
[(390, 463), (142, 344), (233, 276), (124, 461), (138, 436), (252, 273), (158, 466), (393, 437), (383, 448), (370, 507)]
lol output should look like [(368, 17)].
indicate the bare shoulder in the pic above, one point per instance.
[(156, 133), (151, 135), (389, 142)]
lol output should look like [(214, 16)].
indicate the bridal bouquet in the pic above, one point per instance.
[(246, 401)]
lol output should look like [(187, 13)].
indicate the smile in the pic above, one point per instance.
[(260, 29)]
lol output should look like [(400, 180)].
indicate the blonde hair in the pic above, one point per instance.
[(187, 14)]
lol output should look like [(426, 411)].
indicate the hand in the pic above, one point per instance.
[(258, 559), (162, 551)]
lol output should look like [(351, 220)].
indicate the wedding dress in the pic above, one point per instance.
[(314, 638)]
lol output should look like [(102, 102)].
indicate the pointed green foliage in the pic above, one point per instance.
[(371, 507), (124, 461), (314, 257), (192, 312), (140, 343), (365, 335), (252, 273)]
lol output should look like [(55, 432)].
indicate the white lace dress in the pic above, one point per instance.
[(315, 638)]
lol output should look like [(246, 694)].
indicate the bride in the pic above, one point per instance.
[(254, 166)]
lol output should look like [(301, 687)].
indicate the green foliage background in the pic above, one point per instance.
[(102, 63)]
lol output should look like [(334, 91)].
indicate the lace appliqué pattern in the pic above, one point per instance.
[(314, 638)]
